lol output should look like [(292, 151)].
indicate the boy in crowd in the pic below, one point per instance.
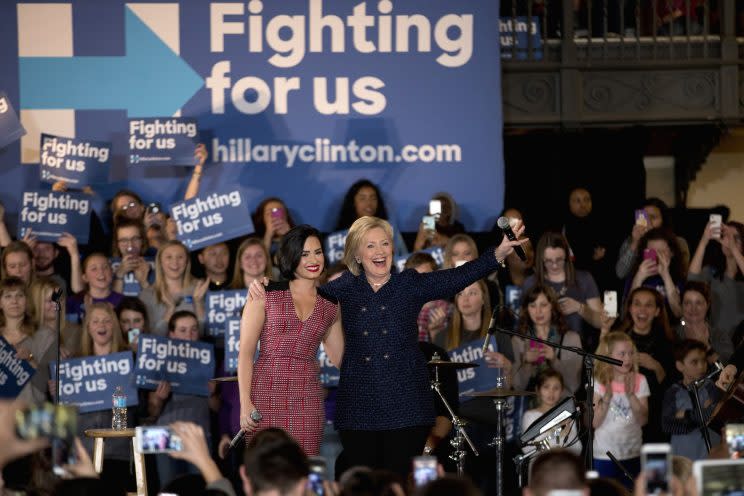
[(680, 417)]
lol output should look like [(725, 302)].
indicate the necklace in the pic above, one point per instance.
[(378, 284)]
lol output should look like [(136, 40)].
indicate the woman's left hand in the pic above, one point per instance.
[(496, 360), (569, 305), (507, 247)]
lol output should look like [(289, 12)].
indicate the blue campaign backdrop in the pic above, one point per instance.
[(296, 99)]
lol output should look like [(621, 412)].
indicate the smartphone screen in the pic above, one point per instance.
[(610, 303), (716, 220), (656, 467), (157, 439), (435, 207), (429, 222), (47, 420), (133, 334), (735, 440), (317, 476), (424, 469)]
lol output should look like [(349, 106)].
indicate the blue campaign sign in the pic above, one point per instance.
[(49, 214), (90, 382), (132, 286), (513, 298), (187, 365), (232, 343), (10, 127), (333, 246), (297, 99), (519, 36), (222, 306), (77, 162), (163, 141), (329, 374), (483, 378), (14, 372), (211, 218)]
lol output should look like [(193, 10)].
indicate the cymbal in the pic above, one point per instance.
[(225, 379), (451, 365), (500, 393)]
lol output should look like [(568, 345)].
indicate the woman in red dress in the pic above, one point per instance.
[(282, 385)]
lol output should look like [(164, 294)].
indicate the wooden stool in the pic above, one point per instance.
[(99, 435)]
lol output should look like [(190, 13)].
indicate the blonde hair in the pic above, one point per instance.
[(237, 279), (37, 293), (454, 336), (117, 340), (604, 370), (160, 286), (458, 238), (354, 239)]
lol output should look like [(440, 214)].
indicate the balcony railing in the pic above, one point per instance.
[(599, 62)]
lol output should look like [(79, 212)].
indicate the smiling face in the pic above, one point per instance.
[(17, 264), (253, 261), (173, 261), (694, 307), (623, 350), (365, 201), (643, 311), (550, 392), (376, 253), (13, 303), (469, 301), (101, 327), (185, 328), (98, 274), (311, 261), (540, 311)]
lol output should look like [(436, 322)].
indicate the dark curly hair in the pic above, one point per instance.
[(348, 215)]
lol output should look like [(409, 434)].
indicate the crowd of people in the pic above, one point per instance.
[(677, 313)]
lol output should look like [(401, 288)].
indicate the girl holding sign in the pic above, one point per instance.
[(282, 388), (102, 336), (17, 328)]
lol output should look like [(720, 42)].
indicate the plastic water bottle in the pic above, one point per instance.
[(119, 412)]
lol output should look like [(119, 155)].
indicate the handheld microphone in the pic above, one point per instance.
[(503, 224), (256, 417), (56, 295)]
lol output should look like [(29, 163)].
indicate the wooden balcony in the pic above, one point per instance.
[(594, 74)]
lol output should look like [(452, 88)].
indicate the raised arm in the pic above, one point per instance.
[(193, 188), (442, 284), (251, 323)]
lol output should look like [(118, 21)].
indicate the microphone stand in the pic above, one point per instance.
[(56, 295), (589, 359)]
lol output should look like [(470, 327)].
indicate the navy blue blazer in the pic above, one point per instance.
[(384, 380)]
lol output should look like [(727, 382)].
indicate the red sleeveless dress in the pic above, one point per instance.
[(285, 387)]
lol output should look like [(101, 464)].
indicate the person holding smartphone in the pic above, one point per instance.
[(659, 266), (443, 210), (719, 261)]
